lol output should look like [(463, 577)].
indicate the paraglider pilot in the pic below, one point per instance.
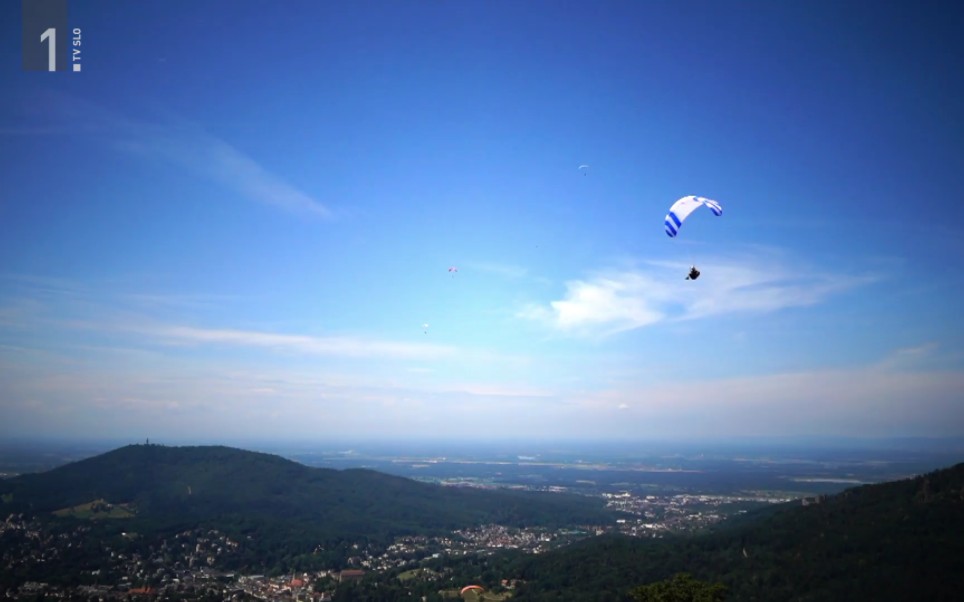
[(694, 273)]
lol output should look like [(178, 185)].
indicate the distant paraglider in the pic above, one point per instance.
[(680, 210), (584, 169), (425, 328), (453, 270)]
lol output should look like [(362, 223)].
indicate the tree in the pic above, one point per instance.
[(681, 588)]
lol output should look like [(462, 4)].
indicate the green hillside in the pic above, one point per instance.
[(902, 540), (275, 501)]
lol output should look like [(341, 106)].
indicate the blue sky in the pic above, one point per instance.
[(234, 222)]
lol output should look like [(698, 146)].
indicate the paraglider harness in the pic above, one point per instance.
[(694, 273)]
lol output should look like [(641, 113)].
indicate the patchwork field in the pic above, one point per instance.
[(97, 509)]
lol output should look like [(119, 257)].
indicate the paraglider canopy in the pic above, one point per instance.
[(469, 588), (584, 169), (682, 208)]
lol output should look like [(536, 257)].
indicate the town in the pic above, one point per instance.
[(195, 564)]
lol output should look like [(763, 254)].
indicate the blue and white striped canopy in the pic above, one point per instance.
[(683, 207)]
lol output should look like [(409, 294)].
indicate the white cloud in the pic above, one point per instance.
[(606, 304), (613, 301)]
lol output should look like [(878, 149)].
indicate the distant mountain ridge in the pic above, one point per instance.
[(169, 486)]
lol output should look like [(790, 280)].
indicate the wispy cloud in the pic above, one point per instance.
[(179, 141), (763, 287), (499, 269), (869, 399), (515, 392), (76, 314), (616, 300), (214, 158), (337, 346), (175, 300), (42, 285), (187, 396)]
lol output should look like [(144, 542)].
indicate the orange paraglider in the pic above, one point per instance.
[(478, 589)]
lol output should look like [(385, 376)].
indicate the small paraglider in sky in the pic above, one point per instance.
[(680, 210), (453, 270), (584, 169), (425, 328)]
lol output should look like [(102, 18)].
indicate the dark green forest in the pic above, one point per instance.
[(896, 541)]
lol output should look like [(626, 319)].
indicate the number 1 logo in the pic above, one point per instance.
[(50, 34), (44, 29)]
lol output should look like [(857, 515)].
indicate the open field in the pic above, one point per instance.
[(96, 510)]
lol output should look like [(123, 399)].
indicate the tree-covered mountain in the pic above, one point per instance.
[(273, 501), (902, 540), (210, 481)]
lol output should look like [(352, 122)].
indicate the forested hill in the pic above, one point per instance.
[(171, 486), (902, 540)]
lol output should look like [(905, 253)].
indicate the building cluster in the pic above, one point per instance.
[(498, 537), (193, 564), (186, 567), (654, 516)]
